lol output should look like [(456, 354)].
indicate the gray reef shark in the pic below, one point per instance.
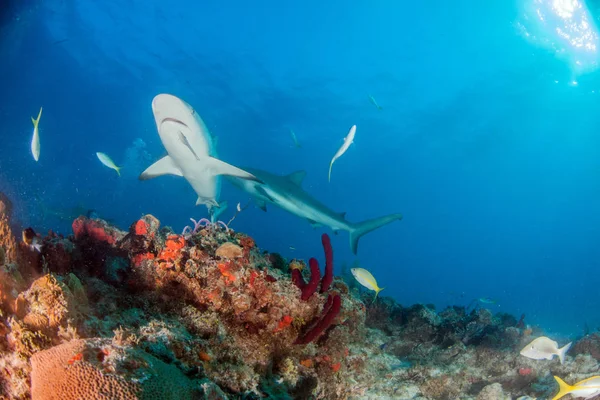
[(286, 192), (190, 150)]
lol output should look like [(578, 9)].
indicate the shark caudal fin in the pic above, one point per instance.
[(362, 228)]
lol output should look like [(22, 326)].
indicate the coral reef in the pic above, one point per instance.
[(149, 313)]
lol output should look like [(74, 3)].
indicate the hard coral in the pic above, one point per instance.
[(75, 371)]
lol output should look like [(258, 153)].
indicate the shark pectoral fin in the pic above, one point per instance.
[(218, 167), (297, 177), (261, 204), (342, 214), (264, 193), (164, 166)]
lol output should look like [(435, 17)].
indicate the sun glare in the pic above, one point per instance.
[(565, 26)]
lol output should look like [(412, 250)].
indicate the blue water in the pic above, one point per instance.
[(488, 141)]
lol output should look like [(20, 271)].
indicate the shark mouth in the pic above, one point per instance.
[(173, 120)]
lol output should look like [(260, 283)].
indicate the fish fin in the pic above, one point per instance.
[(164, 166), (563, 388), (342, 214), (297, 177), (118, 169), (314, 224), (208, 202), (563, 351), (261, 204), (330, 166), (362, 228), (264, 193), (216, 212), (218, 167), (36, 121)]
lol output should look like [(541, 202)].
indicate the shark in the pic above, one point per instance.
[(190, 150), (286, 192)]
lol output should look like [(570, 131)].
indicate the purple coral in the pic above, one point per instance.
[(308, 289), (330, 311), (200, 224)]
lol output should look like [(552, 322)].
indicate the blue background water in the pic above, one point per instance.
[(488, 141)]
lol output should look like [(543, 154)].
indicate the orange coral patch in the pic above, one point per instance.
[(141, 228), (284, 323), (173, 245), (253, 276), (76, 357), (139, 258), (336, 367), (308, 363), (204, 356), (225, 269)]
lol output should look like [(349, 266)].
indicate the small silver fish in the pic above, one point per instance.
[(544, 348)]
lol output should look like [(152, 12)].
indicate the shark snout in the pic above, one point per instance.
[(168, 108)]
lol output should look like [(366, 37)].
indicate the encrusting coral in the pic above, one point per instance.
[(149, 313)]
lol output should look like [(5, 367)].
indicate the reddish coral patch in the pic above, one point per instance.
[(76, 357), (336, 367), (247, 242), (141, 228), (225, 269), (525, 371), (139, 258), (284, 323), (173, 245)]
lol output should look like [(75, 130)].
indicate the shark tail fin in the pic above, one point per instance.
[(362, 228)]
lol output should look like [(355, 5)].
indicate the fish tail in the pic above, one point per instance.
[(362, 228), (330, 166), (37, 120), (563, 388), (563, 351), (118, 169)]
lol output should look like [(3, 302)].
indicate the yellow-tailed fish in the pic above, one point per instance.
[(106, 160), (586, 388), (365, 278), (348, 140), (35, 140), (375, 103)]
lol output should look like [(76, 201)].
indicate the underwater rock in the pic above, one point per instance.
[(5, 205), (589, 344), (215, 325), (493, 392), (8, 242)]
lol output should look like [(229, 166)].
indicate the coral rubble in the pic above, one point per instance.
[(148, 313)]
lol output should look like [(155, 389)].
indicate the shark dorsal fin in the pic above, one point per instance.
[(297, 177)]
